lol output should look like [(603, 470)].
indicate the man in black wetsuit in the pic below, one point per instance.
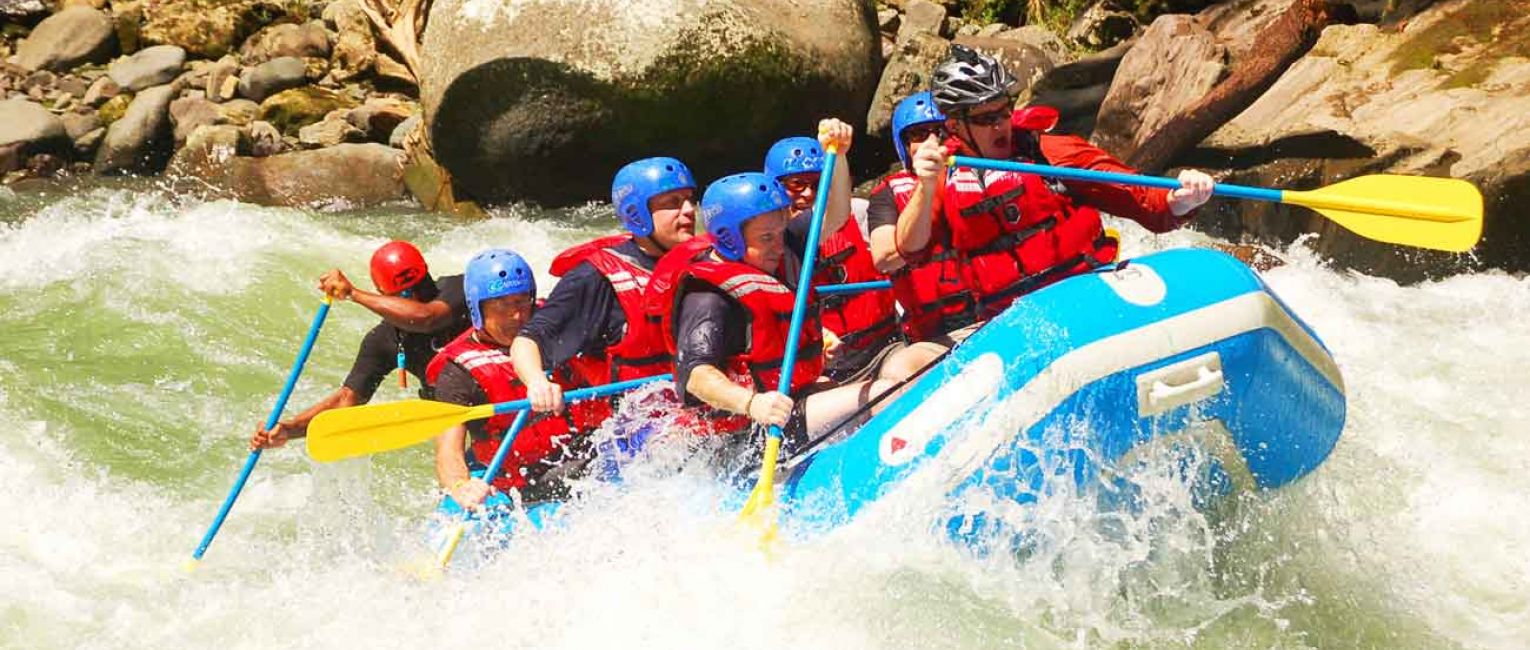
[(420, 316)]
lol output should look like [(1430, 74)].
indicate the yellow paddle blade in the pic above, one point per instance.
[(361, 430), (1437, 213), (764, 494)]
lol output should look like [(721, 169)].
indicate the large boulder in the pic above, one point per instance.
[(140, 141), (545, 99), (153, 66), (208, 29), (1444, 97), (68, 38), (1172, 66), (346, 175)]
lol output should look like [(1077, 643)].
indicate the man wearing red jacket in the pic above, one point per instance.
[(1011, 233)]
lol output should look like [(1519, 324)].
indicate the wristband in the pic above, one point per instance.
[(458, 483), (750, 402)]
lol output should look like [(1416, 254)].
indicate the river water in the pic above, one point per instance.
[(145, 337)]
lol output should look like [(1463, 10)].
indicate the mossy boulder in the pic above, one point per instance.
[(209, 29), (291, 110), (545, 99)]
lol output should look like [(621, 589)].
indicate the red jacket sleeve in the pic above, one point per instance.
[(1145, 205)]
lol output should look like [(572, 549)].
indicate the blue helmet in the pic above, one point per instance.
[(495, 273), (731, 201), (916, 109), (797, 155), (642, 180)]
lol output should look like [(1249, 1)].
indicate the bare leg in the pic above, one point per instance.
[(909, 361), (827, 410)]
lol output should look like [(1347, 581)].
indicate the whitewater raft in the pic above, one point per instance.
[(1185, 352)]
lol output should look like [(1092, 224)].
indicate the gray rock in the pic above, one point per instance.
[(355, 51), (265, 139), (78, 124), (1173, 64), (68, 38), (30, 125), (521, 102), (139, 141), (85, 146), (101, 90), (207, 149), (922, 17), (330, 131), (152, 66), (1101, 25), (401, 132), (73, 85), (309, 39), (1025, 61), (23, 10), (907, 72), (378, 117), (190, 113), (218, 81), (272, 77)]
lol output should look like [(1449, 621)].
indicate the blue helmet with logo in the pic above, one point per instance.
[(495, 273), (916, 109), (796, 155), (641, 180), (731, 201)]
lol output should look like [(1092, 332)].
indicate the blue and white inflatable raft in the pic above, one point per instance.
[(1184, 349), (1179, 347)]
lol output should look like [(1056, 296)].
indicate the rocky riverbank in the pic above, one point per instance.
[(352, 102)]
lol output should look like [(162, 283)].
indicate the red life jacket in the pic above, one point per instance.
[(932, 288), (769, 305), (490, 367), (640, 352), (863, 319), (1016, 233)]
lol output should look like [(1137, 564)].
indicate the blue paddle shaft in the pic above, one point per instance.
[(852, 287), (805, 277), (271, 420), (1069, 173), (604, 390), (504, 445)]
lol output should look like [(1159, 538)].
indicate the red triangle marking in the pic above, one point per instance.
[(897, 444)]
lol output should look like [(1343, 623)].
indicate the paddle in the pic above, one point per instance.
[(852, 287), (1437, 213), (271, 420), (362, 430), (488, 477), (764, 493)]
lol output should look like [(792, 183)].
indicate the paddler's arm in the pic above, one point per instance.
[(912, 234), (404, 313), (526, 356), (297, 425), (837, 209), (710, 385), (702, 343), (452, 471)]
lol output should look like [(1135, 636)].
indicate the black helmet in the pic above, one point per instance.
[(968, 78)]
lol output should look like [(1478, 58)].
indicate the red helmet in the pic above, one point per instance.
[(397, 266)]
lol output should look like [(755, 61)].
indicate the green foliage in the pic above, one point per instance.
[(986, 12)]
